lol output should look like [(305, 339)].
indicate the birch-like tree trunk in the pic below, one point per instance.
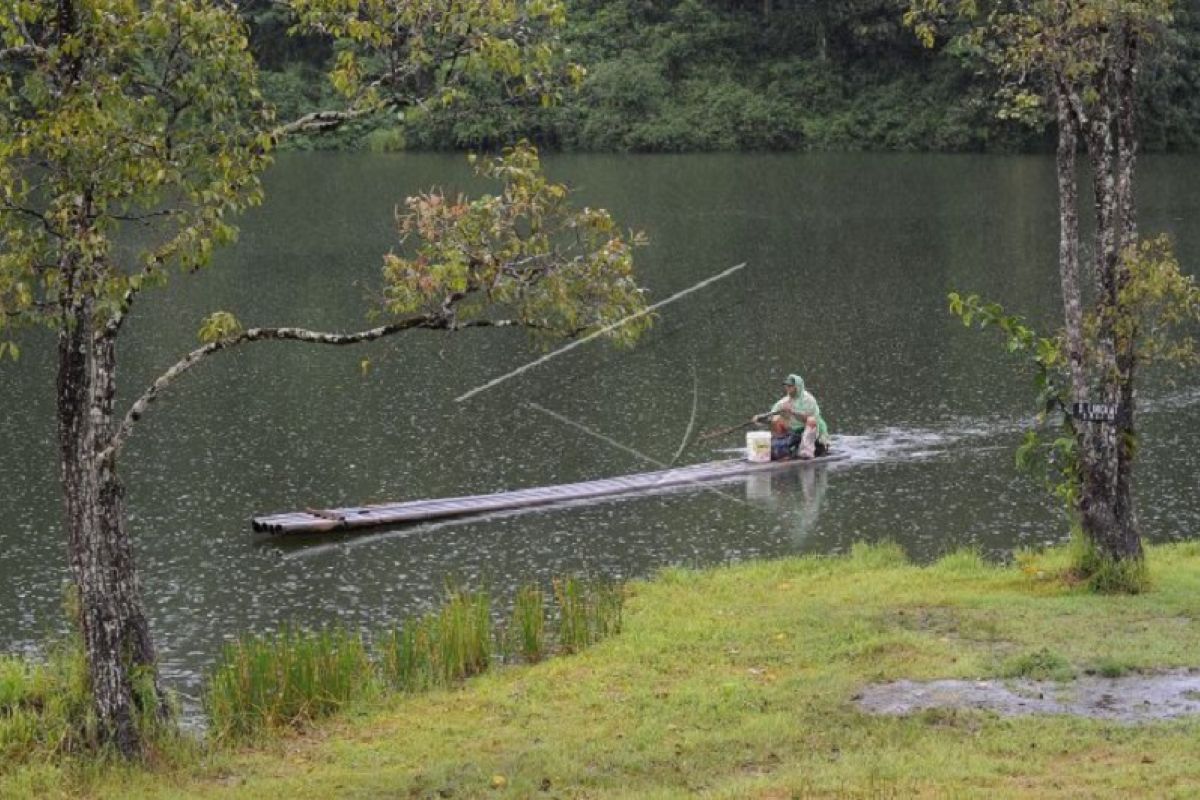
[(113, 624), (1106, 448), (1068, 241)]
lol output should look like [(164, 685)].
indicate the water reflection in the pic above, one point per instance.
[(794, 496)]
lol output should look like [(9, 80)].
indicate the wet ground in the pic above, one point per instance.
[(1131, 699)]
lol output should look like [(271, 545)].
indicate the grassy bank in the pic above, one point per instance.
[(738, 682)]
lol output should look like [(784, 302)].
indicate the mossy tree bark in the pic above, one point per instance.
[(112, 619), (1106, 448)]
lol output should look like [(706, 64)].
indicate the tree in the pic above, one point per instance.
[(131, 131), (400, 57), (1081, 58)]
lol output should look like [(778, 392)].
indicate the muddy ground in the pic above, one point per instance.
[(1130, 698)]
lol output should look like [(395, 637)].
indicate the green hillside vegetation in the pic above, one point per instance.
[(697, 75)]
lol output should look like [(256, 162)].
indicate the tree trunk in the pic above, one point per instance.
[(1126, 346), (114, 627), (1068, 242), (1106, 448), (1126, 87)]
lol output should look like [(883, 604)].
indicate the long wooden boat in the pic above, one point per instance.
[(369, 516)]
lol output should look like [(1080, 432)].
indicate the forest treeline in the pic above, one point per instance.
[(691, 75)]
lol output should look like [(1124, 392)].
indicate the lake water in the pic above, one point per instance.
[(849, 259)]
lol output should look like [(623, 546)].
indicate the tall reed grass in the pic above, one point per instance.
[(286, 679), (587, 612), (439, 648), (527, 631), (296, 676)]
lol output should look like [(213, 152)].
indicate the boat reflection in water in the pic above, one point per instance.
[(793, 496)]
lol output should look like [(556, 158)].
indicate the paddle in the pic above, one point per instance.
[(732, 428)]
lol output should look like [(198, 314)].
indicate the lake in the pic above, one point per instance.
[(849, 259)]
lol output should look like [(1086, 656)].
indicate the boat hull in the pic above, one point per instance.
[(391, 514)]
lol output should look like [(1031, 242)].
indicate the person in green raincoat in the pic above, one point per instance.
[(797, 427)]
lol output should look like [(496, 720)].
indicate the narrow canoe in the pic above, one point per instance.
[(342, 519)]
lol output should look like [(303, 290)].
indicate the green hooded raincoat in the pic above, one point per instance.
[(804, 403)]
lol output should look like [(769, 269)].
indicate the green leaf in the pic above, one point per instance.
[(219, 325)]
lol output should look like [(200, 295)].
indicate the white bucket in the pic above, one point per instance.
[(758, 446)]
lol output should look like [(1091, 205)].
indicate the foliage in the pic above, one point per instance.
[(1109, 667), (1038, 48), (706, 75), (524, 252), (141, 125), (45, 708), (130, 132), (693, 75), (1082, 58), (1049, 448), (219, 325), (963, 561), (391, 56), (294, 677), (439, 648), (1161, 306), (874, 555)]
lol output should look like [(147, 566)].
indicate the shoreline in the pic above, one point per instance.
[(739, 681)]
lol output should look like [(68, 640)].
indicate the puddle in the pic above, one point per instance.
[(1133, 698)]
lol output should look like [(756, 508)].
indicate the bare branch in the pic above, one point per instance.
[(319, 122), (170, 212), (257, 335), (426, 321), (493, 323)]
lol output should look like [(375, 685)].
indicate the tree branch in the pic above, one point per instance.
[(493, 323), (21, 51), (427, 321), (113, 326), (246, 337), (32, 214), (169, 212), (319, 122)]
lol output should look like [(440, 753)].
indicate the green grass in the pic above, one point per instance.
[(587, 612), (286, 679), (44, 706), (46, 710), (739, 683), (439, 648), (1040, 665), (1108, 667), (294, 677), (1101, 573), (527, 632)]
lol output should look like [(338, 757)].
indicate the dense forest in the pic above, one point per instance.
[(682, 75)]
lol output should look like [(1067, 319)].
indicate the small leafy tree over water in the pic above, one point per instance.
[(1076, 62), (131, 131)]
